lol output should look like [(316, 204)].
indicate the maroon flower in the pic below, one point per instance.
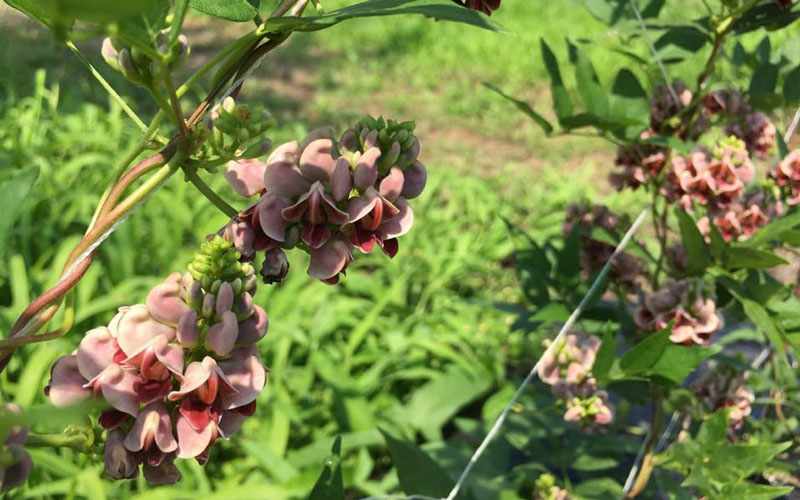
[(485, 6)]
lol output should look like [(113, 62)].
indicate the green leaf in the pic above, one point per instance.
[(63, 12), (525, 108), (593, 95), (329, 486), (561, 100), (696, 248), (629, 97), (791, 238), (791, 85), (436, 402), (783, 149), (230, 10), (737, 257), (13, 192), (773, 230), (761, 318), (605, 355), (600, 489), (376, 8), (764, 79), (677, 362), (646, 353), (417, 472), (180, 10)]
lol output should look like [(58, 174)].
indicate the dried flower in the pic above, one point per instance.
[(786, 175), (723, 387)]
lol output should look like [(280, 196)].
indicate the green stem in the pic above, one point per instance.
[(234, 46), (162, 102), (650, 447), (209, 193), (79, 442), (174, 102), (107, 86)]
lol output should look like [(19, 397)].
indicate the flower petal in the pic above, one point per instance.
[(366, 171), (316, 161), (96, 351), (341, 179), (192, 443), (164, 303), (328, 260), (392, 184), (66, 382), (136, 327), (248, 376), (416, 176), (253, 328), (246, 176), (280, 176), (270, 216), (221, 337), (400, 224)]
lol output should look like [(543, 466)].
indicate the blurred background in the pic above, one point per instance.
[(426, 345)]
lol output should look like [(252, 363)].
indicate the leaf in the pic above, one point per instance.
[(791, 238), (377, 8), (629, 97), (569, 265), (231, 10), (417, 473), (678, 362), (761, 318), (436, 402), (13, 193), (561, 100), (604, 358), (525, 108), (791, 85), (593, 95), (589, 463), (600, 489), (329, 486), (773, 230), (736, 257), (693, 242), (63, 12), (764, 79), (646, 353)]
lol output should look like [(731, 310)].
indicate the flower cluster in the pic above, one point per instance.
[(16, 463), (714, 180), (690, 303), (178, 371), (641, 163), (723, 387), (594, 253), (567, 368), (786, 175), (754, 128), (743, 218), (327, 197), (546, 488)]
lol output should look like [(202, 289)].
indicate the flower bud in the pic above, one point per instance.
[(119, 462), (275, 266), (224, 298), (209, 302), (187, 332), (110, 53)]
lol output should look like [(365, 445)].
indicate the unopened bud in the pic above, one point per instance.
[(275, 267)]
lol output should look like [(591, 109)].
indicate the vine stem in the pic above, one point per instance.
[(209, 193), (77, 441)]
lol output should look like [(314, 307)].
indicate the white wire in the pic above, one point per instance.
[(533, 373), (792, 127), (653, 51)]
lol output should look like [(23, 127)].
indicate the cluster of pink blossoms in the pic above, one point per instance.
[(178, 371), (713, 180), (641, 163), (327, 197), (17, 464), (690, 303), (594, 253), (743, 218), (568, 370), (786, 175), (723, 387)]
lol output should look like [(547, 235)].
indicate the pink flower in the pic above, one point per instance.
[(642, 163), (689, 302), (757, 132), (152, 434), (330, 260), (723, 387), (786, 175), (567, 367)]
